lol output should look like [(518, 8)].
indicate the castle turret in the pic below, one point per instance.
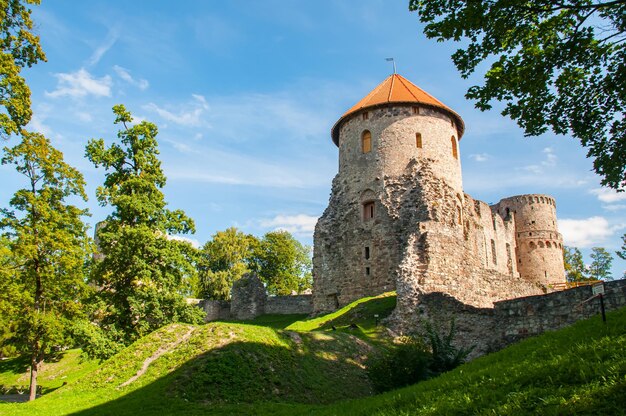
[(539, 246), (395, 123)]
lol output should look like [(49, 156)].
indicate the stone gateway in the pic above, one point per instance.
[(398, 218)]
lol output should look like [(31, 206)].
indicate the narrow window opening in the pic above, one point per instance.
[(367, 253), (366, 115), (366, 141), (367, 271), (416, 110), (368, 210), (458, 211), (418, 140), (455, 152)]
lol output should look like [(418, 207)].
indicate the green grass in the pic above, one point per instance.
[(361, 313), (66, 367), (231, 368)]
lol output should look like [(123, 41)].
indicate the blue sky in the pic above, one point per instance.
[(245, 93)]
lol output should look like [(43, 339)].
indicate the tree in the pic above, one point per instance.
[(600, 267), (44, 281), (622, 253), (557, 65), (142, 274), (224, 260), (19, 48), (282, 263), (574, 265)]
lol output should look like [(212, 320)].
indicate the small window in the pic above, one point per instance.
[(366, 115), (459, 216), (455, 152), (452, 122), (416, 110), (367, 271), (368, 210), (367, 253), (418, 140), (366, 141)]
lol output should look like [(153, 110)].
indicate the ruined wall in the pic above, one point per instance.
[(491, 329), (248, 297), (215, 310), (286, 305)]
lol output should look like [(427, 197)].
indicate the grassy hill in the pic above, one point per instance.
[(307, 367)]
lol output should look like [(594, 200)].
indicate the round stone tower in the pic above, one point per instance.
[(390, 142), (395, 123), (539, 248)]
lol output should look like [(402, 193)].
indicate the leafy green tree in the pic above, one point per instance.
[(142, 274), (19, 48), (8, 309), (283, 263), (574, 265), (556, 65), (600, 267), (224, 260), (49, 247)]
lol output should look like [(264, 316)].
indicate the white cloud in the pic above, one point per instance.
[(587, 232), (192, 116), (549, 161), (608, 195), (108, 43), (124, 74), (479, 157), (80, 84), (295, 224), (614, 207)]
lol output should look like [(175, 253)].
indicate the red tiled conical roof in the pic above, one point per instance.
[(396, 89)]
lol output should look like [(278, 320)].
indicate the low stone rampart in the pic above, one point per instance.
[(286, 305), (509, 321)]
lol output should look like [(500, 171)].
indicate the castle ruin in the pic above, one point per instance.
[(398, 218)]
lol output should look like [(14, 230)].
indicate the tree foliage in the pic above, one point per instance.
[(556, 65), (575, 270), (282, 263), (19, 48), (142, 274), (223, 260), (42, 278), (600, 267)]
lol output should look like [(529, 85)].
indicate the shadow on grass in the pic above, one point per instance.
[(251, 378), (272, 320)]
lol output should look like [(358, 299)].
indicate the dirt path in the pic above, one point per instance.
[(156, 355)]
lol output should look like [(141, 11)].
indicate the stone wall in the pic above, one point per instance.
[(249, 300), (286, 305), (215, 309), (490, 329)]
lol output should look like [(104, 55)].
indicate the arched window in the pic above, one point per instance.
[(366, 141), (455, 152), (368, 210), (541, 244), (548, 245), (418, 140), (532, 245)]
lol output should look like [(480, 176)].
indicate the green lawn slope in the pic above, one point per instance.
[(311, 369)]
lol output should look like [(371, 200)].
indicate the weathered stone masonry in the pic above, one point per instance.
[(398, 218)]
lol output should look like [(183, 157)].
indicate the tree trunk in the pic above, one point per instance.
[(34, 367)]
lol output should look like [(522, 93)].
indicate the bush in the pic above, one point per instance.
[(412, 361), (407, 363)]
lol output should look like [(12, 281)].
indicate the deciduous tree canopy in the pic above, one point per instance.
[(43, 281), (143, 274), (557, 65), (19, 48)]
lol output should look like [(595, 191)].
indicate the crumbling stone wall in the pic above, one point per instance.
[(215, 310), (286, 305), (247, 297), (489, 329)]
